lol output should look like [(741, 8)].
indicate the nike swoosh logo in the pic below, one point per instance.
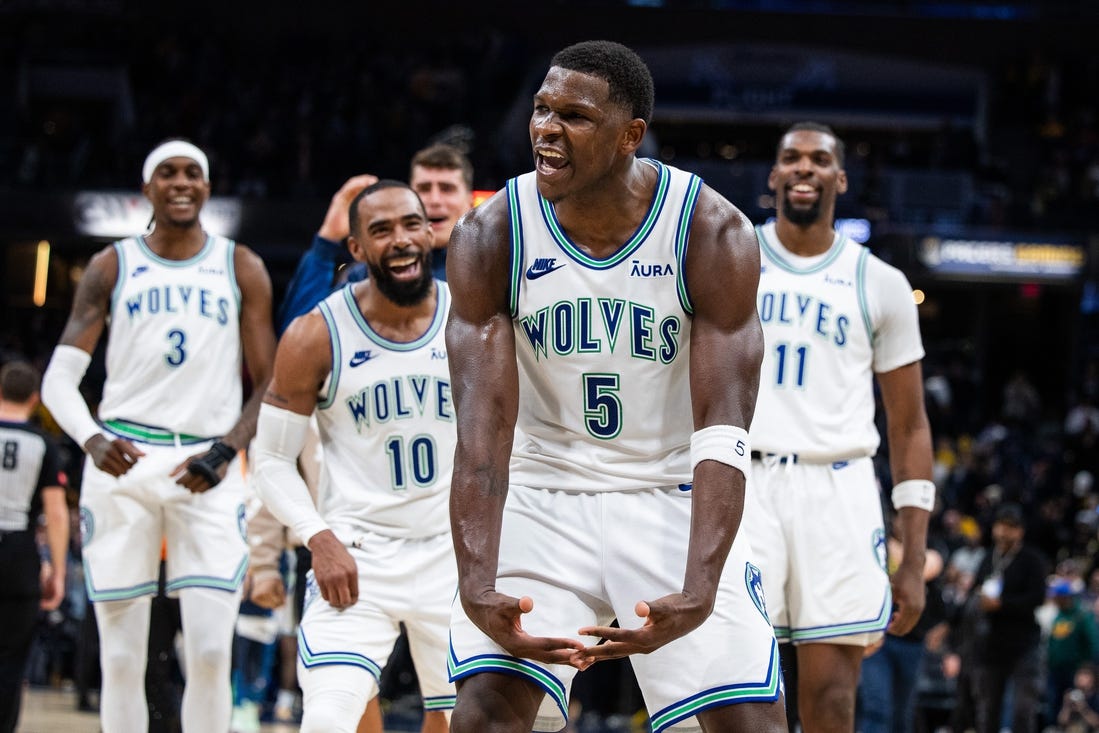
[(360, 357), (533, 274)]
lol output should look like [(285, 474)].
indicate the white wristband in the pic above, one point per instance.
[(61, 393), (726, 444), (280, 435), (916, 492)]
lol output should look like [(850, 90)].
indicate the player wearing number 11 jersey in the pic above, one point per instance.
[(834, 317)]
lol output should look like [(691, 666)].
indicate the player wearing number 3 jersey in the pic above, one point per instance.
[(183, 311)]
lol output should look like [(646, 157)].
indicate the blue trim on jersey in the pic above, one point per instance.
[(147, 588), (437, 321), (682, 236), (766, 691), (321, 659), (207, 248), (773, 255), (503, 664), (210, 581), (337, 354), (120, 280), (515, 220), (860, 289), (660, 195), (231, 268), (868, 626)]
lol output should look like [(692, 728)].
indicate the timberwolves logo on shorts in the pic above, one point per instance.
[(87, 525), (312, 590), (753, 579), (242, 522), (878, 542)]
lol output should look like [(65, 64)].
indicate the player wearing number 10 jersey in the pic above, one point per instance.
[(371, 362)]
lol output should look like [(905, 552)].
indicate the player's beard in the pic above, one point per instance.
[(404, 294), (801, 217)]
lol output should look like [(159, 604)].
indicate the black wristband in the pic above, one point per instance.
[(208, 463)]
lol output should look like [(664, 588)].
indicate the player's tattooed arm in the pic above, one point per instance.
[(92, 301)]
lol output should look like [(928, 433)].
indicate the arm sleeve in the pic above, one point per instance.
[(312, 280), (280, 435), (61, 393)]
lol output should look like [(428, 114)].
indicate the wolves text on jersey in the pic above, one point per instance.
[(171, 299), (806, 312), (590, 326), (400, 398)]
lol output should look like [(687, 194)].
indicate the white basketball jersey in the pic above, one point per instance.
[(829, 323), (602, 346), (174, 352), (387, 426)]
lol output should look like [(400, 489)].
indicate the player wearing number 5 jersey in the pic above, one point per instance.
[(371, 362), (834, 317), (605, 351), (183, 310)]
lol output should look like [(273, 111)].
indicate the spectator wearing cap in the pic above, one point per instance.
[(1073, 640), (1011, 584)]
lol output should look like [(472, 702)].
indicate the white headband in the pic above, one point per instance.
[(174, 149)]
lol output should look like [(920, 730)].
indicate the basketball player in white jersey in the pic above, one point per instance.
[(371, 362), (182, 309), (834, 317), (605, 349)]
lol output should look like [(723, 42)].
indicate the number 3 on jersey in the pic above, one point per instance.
[(176, 355), (602, 407)]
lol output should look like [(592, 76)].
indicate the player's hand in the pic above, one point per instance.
[(337, 225), (500, 616), (334, 570), (269, 592), (194, 482), (908, 597), (115, 457), (666, 619), (53, 587)]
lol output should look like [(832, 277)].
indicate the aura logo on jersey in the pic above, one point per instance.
[(647, 269), (172, 299), (806, 312), (401, 398), (594, 326)]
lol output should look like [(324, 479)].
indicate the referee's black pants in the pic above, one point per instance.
[(20, 591)]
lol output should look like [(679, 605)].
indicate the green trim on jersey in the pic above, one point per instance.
[(120, 278), (318, 659), (208, 581), (231, 268), (512, 666), (515, 219), (549, 215), (773, 255), (151, 434), (855, 627), (860, 289), (437, 321), (682, 235), (337, 355), (766, 691), (202, 254)]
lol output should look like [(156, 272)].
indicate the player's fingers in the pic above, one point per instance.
[(642, 609), (353, 588), (526, 604)]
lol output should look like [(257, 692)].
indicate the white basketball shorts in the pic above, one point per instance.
[(125, 519), (587, 558), (410, 580), (818, 534)]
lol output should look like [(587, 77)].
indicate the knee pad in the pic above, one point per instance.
[(332, 711)]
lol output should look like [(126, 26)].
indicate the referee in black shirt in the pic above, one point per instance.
[(31, 483)]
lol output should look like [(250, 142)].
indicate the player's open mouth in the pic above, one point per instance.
[(404, 267), (802, 192), (547, 161)]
